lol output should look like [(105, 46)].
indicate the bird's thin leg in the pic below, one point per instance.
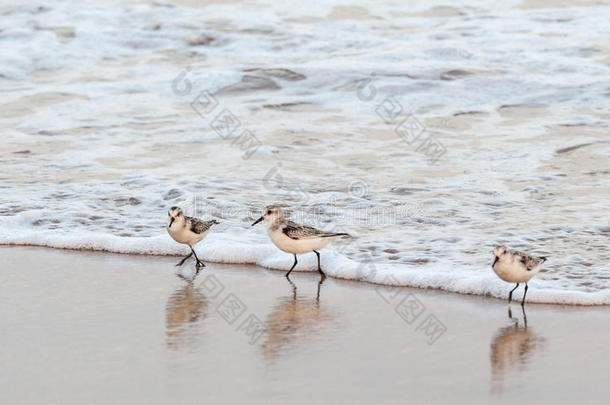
[(524, 317), (199, 262), (510, 295), (295, 263), (181, 262), (524, 294), (319, 268)]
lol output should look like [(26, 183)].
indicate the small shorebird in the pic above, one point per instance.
[(189, 231), (294, 238), (515, 267)]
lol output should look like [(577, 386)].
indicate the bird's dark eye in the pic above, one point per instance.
[(268, 212)]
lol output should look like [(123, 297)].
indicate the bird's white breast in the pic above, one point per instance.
[(181, 233), (513, 271), (296, 246)]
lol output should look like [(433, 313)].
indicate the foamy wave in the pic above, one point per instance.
[(229, 247)]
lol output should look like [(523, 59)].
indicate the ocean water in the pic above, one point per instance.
[(430, 132)]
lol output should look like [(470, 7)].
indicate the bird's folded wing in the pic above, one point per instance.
[(529, 261), (296, 231), (199, 226)]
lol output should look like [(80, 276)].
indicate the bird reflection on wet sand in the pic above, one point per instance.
[(294, 321), (512, 348), (186, 308)]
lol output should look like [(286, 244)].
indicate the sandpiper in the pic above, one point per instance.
[(189, 231), (515, 267), (294, 238)]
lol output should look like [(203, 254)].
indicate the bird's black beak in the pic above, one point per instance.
[(495, 261), (171, 221), (257, 221)]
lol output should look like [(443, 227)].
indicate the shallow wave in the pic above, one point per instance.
[(228, 247)]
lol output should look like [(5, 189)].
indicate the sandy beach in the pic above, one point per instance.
[(82, 327)]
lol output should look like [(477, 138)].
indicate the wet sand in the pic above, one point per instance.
[(82, 327)]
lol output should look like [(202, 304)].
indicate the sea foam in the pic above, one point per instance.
[(231, 248)]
